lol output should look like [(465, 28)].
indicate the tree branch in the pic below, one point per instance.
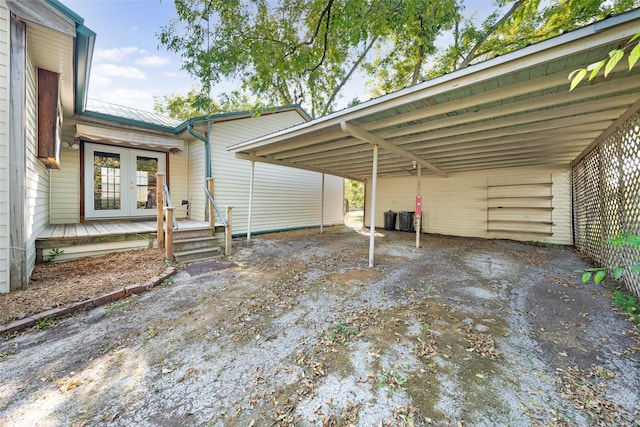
[(346, 78), (471, 55)]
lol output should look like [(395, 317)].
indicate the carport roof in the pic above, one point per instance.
[(513, 110)]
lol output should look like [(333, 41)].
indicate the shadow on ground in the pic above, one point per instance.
[(297, 330)]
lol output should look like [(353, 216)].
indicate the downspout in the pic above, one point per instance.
[(207, 147)]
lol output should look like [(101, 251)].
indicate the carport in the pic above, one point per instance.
[(513, 111)]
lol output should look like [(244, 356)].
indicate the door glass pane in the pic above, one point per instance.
[(146, 169), (106, 181)]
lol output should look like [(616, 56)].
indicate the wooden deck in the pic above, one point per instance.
[(94, 238), (107, 228)]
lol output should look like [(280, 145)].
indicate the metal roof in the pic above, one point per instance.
[(513, 110), (130, 116)]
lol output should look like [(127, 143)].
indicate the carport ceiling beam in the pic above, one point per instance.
[(244, 156), (363, 135)]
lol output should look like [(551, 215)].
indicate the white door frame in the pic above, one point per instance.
[(127, 185)]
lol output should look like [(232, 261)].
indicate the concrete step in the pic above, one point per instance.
[(198, 254), (181, 245)]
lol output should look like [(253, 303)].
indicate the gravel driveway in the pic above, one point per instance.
[(296, 330)]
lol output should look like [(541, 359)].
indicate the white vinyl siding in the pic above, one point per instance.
[(284, 198), (4, 148), (178, 181), (65, 188), (195, 180), (458, 205), (37, 174)]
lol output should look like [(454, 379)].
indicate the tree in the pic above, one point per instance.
[(196, 104), (354, 193), (632, 47), (305, 51), (299, 51)]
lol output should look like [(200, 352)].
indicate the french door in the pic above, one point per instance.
[(120, 182)]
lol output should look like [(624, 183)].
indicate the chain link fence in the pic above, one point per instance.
[(606, 199)]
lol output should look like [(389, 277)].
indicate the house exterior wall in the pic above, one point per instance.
[(178, 173), (459, 205), (284, 198), (4, 147), (65, 188), (37, 174), (195, 179)]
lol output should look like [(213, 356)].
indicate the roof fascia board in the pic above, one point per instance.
[(85, 42), (286, 164), (582, 39), (46, 14), (235, 115)]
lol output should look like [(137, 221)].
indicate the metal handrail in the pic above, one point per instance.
[(168, 204), (215, 206)]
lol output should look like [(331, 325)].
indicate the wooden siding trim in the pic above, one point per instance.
[(18, 277)]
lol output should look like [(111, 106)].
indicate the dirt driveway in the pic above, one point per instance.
[(298, 331)]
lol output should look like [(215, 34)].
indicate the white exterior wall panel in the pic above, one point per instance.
[(37, 174), (4, 147), (178, 181), (458, 205), (284, 198), (195, 180), (65, 188)]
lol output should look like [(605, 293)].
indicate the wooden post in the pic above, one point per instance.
[(160, 206), (168, 253), (212, 212), (227, 233)]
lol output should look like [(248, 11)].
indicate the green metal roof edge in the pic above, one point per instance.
[(85, 42), (133, 122), (183, 126)]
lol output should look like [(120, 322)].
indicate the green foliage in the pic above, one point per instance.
[(305, 51), (632, 46), (354, 192), (392, 380), (53, 255), (628, 304), (341, 331), (599, 273), (198, 104)]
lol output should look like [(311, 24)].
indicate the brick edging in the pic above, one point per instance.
[(28, 322)]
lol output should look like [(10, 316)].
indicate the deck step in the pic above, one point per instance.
[(181, 245), (189, 233), (198, 254)]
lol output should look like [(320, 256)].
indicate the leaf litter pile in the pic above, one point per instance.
[(58, 284), (301, 332)]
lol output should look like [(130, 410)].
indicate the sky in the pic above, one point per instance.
[(129, 67)]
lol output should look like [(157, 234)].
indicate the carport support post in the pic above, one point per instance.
[(253, 164), (372, 222), (322, 207), (418, 195)]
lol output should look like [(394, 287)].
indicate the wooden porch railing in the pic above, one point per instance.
[(165, 236), (213, 210)]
